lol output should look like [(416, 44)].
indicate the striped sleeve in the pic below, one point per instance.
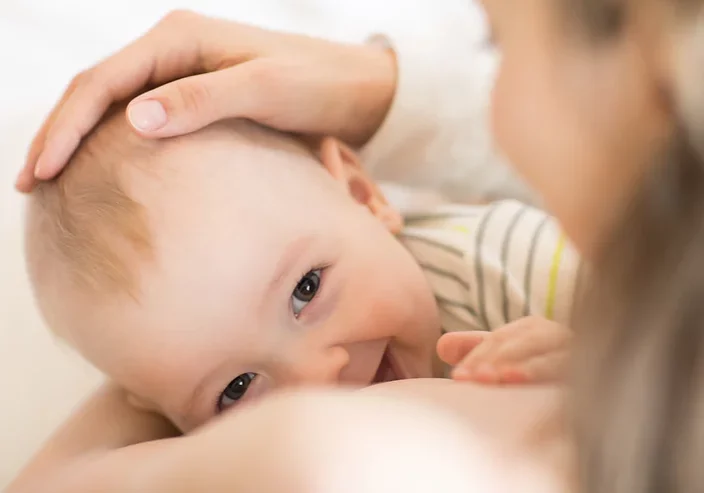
[(490, 265), (437, 239), (523, 265)]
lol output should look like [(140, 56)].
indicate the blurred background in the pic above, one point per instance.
[(43, 43)]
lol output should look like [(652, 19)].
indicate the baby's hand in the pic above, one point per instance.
[(529, 350)]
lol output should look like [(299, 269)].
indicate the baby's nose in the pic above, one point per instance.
[(320, 369)]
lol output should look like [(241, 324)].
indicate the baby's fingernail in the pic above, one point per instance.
[(461, 374), (486, 373), (147, 116), (514, 376)]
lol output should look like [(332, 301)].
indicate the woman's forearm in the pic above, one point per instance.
[(326, 442), (308, 442), (250, 450), (106, 421)]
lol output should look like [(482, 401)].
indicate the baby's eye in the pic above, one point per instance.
[(305, 291), (235, 391)]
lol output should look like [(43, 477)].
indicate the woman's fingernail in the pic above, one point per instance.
[(39, 167), (147, 116)]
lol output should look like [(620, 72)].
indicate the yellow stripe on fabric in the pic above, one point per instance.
[(460, 228), (554, 274)]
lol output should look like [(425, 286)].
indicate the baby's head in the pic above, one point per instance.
[(205, 270)]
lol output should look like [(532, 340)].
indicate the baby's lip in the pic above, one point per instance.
[(387, 370)]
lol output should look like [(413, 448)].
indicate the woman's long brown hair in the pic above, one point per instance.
[(639, 356)]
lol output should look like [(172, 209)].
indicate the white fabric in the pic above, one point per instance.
[(437, 133), (44, 42)]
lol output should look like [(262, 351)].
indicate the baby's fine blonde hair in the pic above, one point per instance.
[(84, 224)]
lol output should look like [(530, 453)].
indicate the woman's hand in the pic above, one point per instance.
[(529, 350), (214, 69)]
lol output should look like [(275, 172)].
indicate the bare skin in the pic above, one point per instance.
[(308, 435)]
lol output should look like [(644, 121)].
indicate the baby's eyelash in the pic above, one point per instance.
[(316, 267), (299, 304)]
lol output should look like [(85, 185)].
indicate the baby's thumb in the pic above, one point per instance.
[(191, 103), (452, 348)]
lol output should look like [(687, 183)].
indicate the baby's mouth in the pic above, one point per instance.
[(387, 371)]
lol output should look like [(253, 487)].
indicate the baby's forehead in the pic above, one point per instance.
[(246, 172), (235, 155), (220, 191)]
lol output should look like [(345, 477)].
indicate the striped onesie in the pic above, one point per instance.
[(490, 265)]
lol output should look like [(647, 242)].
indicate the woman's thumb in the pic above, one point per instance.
[(191, 103)]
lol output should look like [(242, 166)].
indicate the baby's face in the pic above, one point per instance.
[(266, 273)]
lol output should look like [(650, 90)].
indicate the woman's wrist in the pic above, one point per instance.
[(373, 94)]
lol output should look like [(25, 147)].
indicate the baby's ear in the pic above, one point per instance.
[(344, 166)]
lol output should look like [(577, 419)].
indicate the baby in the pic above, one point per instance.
[(204, 271)]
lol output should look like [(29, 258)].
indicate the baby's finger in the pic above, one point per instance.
[(548, 368), (484, 373), (452, 348), (514, 375), (479, 358), (486, 354), (532, 344)]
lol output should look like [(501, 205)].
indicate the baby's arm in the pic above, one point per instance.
[(526, 276), (528, 350), (106, 421)]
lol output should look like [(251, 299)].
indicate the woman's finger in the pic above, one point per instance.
[(162, 54), (452, 348), (215, 69), (191, 103), (26, 179)]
